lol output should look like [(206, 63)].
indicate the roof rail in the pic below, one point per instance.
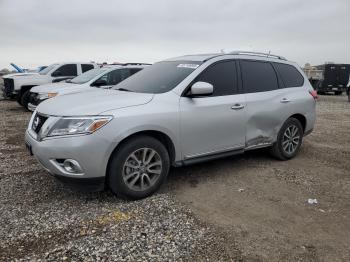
[(126, 64), (256, 54)]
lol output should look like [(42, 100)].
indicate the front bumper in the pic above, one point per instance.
[(31, 107), (92, 154), (34, 101)]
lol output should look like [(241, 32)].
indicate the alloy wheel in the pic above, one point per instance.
[(291, 139), (142, 169)]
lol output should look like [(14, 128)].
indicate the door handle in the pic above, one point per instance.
[(237, 106), (285, 100)]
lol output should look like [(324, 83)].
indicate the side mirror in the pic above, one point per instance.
[(56, 74), (99, 82), (201, 89)]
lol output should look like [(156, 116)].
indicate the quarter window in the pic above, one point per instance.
[(258, 76), (289, 74), (223, 77)]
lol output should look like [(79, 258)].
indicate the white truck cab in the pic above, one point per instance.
[(102, 78), (19, 85)]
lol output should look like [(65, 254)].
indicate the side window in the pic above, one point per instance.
[(258, 76), (67, 70), (117, 76), (86, 67), (134, 70), (289, 74), (223, 77)]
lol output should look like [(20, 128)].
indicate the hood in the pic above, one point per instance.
[(19, 75), (52, 87), (92, 103)]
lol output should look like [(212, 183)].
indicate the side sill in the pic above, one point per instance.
[(206, 158)]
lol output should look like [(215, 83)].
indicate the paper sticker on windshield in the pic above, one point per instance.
[(192, 66)]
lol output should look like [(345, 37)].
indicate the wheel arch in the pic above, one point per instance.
[(160, 136), (301, 118)]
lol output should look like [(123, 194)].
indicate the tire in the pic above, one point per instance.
[(349, 97), (338, 93), (122, 167), (277, 149), (25, 99), (19, 98)]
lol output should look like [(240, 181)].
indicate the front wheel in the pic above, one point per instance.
[(289, 140), (138, 168), (25, 99)]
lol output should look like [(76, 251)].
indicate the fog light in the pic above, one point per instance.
[(72, 166)]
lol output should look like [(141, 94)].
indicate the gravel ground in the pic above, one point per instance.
[(41, 219), (245, 208)]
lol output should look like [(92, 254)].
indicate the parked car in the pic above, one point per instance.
[(104, 77), (176, 112), (348, 91), (18, 85)]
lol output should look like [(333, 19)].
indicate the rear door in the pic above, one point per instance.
[(267, 104), (216, 123)]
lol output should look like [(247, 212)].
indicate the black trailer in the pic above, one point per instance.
[(335, 79)]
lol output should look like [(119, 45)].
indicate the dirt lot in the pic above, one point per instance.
[(245, 208)]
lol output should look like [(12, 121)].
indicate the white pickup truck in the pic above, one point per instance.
[(19, 85)]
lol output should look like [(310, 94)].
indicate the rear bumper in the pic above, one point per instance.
[(331, 89)]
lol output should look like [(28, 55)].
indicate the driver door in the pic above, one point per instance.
[(215, 123)]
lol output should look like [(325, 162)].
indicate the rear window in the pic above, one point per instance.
[(291, 77), (258, 76)]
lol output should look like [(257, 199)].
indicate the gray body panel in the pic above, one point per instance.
[(197, 127)]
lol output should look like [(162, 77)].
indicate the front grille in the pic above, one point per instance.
[(8, 86), (38, 122)]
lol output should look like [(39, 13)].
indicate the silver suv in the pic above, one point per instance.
[(176, 112)]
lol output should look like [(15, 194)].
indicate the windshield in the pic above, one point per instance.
[(159, 78), (87, 76), (47, 69)]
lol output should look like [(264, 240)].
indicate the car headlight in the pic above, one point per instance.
[(78, 125), (43, 96)]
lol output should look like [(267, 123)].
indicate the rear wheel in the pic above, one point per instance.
[(289, 140), (138, 168)]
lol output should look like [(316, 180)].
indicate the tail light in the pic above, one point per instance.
[(313, 93)]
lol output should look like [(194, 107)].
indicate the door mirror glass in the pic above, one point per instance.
[(99, 82), (201, 89)]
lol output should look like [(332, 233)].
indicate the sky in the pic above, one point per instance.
[(41, 32)]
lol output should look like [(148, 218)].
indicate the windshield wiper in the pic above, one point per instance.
[(124, 89)]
